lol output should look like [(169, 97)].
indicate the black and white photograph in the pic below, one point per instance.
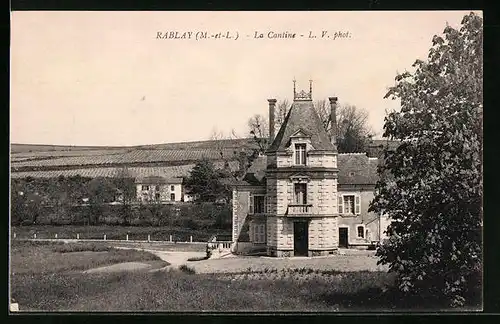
[(246, 161)]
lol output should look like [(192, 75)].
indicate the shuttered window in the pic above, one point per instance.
[(349, 204), (256, 204), (259, 233), (250, 204), (357, 208)]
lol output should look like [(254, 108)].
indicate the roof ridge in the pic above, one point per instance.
[(357, 153)]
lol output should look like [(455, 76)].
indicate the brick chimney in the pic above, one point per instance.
[(333, 120), (272, 108)]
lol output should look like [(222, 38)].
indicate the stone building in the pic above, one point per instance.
[(158, 189), (303, 198)]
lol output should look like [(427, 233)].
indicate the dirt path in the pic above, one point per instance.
[(346, 261), (338, 262), (175, 258), (119, 267)]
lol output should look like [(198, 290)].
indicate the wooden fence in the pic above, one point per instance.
[(104, 238)]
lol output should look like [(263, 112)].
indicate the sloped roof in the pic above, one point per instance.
[(233, 182), (302, 116), (158, 180), (257, 170), (384, 143), (357, 168), (354, 168)]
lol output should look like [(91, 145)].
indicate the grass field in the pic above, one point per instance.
[(44, 277), (141, 233), (41, 258)]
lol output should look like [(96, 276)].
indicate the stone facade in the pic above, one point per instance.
[(300, 198), (323, 234)]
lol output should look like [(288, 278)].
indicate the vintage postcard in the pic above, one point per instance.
[(326, 161)]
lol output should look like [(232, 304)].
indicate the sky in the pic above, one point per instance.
[(110, 78)]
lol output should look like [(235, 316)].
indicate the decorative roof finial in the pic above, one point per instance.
[(302, 95), (310, 88)]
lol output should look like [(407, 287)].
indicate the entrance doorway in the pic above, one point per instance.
[(343, 237), (300, 238)]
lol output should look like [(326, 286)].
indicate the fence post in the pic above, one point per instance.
[(191, 238), (34, 235), (104, 237), (55, 236), (149, 237), (127, 237), (77, 236), (170, 238)]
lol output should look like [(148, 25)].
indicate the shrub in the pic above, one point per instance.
[(198, 258), (184, 268), (80, 247)]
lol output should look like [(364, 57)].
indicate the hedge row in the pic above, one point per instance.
[(188, 215)]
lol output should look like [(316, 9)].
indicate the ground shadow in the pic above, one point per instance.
[(390, 300)]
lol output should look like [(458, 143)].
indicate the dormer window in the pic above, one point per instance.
[(300, 154)]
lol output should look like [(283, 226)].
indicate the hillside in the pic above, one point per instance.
[(17, 148), (53, 160)]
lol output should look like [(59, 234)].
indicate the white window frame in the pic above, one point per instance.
[(357, 231), (259, 233), (298, 156), (342, 207), (145, 187)]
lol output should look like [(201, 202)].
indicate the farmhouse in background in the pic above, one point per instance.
[(303, 198), (158, 189), (151, 182)]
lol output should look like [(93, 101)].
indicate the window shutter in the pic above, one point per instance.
[(341, 206), (250, 204), (262, 233), (357, 205), (265, 204)]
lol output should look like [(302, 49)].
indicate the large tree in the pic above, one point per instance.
[(126, 192), (431, 185), (205, 181), (258, 127), (100, 191), (353, 131)]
